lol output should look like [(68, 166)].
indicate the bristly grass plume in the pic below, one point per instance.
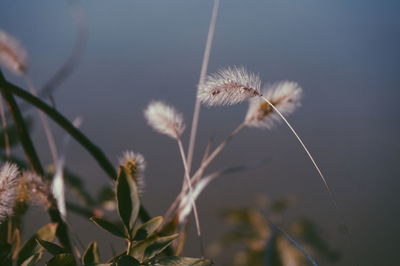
[(164, 119), (231, 83), (229, 86), (134, 165), (35, 190), (9, 179), (285, 95), (12, 55)]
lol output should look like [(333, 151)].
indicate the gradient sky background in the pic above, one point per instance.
[(345, 54)]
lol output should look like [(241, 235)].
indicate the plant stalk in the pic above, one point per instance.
[(203, 72), (33, 159), (75, 133), (189, 184)]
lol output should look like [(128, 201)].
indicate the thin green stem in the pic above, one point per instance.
[(45, 123), (203, 72), (204, 164), (33, 159), (325, 182), (94, 150), (75, 133), (4, 127), (129, 248), (192, 200)]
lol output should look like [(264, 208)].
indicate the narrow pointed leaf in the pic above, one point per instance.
[(128, 200), (32, 260), (5, 254), (182, 261), (127, 261), (65, 259), (116, 257), (148, 228), (91, 254), (109, 227), (99, 264), (52, 248), (158, 246), (151, 247), (31, 246), (16, 245)]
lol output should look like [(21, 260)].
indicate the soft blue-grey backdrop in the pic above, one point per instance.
[(345, 54)]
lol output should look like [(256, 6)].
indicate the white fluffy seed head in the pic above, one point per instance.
[(9, 180), (12, 55), (33, 189), (134, 165), (164, 119), (285, 96), (229, 86)]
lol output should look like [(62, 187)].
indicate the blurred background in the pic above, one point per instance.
[(345, 54)]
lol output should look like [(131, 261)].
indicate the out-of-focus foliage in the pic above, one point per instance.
[(145, 245), (258, 242)]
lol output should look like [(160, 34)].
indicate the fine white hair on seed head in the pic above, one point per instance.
[(9, 181), (12, 55), (164, 119), (285, 96), (229, 86), (135, 165)]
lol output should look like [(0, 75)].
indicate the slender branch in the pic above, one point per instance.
[(94, 150), (217, 151), (294, 242), (33, 159), (45, 123), (305, 149), (22, 130), (199, 173), (58, 118), (203, 72), (4, 126), (325, 182), (189, 184)]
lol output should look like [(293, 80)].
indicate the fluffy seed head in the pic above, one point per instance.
[(9, 179), (229, 86), (12, 55), (134, 165), (164, 119), (285, 96), (34, 189)]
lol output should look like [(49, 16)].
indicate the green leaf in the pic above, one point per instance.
[(5, 254), (116, 257), (51, 247), (109, 227), (16, 243), (65, 259), (148, 228), (127, 261), (12, 134), (181, 261), (127, 199), (158, 246), (151, 247), (32, 260), (91, 254), (99, 264), (31, 247)]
